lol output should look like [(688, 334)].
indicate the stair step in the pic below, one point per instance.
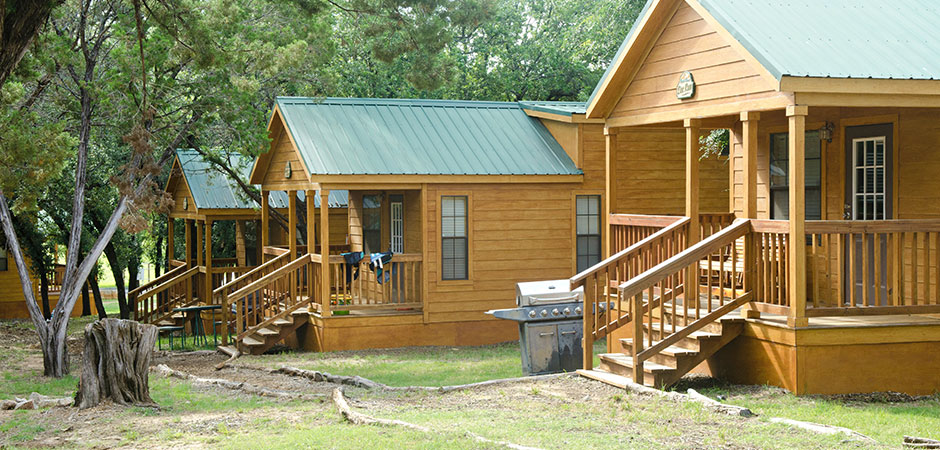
[(266, 332), (251, 342), (282, 322), (695, 334), (672, 350), (623, 360), (606, 377), (300, 311), (227, 350), (731, 317)]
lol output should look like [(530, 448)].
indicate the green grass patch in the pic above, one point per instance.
[(21, 427), (175, 396), (419, 366), (21, 383), (887, 422)]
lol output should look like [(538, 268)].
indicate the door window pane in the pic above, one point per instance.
[(588, 230), (372, 223), (454, 237)]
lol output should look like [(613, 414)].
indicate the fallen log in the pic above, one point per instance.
[(502, 443), (365, 383), (821, 428), (115, 359), (716, 406), (247, 388), (361, 419), (919, 442)]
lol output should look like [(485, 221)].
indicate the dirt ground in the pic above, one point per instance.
[(195, 416)]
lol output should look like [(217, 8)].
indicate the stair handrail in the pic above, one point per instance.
[(677, 222), (158, 289), (158, 280), (633, 290), (250, 273), (257, 285)]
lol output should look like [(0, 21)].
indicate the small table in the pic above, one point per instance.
[(198, 331)]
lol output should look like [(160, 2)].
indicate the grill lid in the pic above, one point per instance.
[(546, 292)]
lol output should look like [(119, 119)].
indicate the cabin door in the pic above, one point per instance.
[(868, 197)]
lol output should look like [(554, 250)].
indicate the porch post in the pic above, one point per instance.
[(264, 236), (310, 196), (259, 249), (170, 250), (797, 238), (691, 177), (749, 120), (610, 191), (240, 256), (324, 252), (198, 245), (208, 299), (691, 205), (292, 241), (189, 258), (749, 130)]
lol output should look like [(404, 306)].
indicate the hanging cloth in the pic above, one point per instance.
[(377, 264), (352, 261)]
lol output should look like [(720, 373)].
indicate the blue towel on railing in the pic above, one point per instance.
[(352, 260), (377, 264)]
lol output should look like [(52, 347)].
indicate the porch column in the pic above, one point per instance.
[(292, 240), (259, 249), (749, 120), (264, 239), (310, 197), (749, 127), (691, 176), (189, 258), (198, 245), (292, 223), (610, 191), (796, 257), (691, 203), (208, 282), (170, 250), (324, 251), (240, 256)]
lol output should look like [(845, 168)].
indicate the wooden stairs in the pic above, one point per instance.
[(261, 338), (668, 366)]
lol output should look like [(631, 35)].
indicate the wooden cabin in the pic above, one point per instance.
[(12, 300), (469, 197), (823, 274), (204, 200)]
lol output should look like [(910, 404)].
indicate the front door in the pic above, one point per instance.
[(868, 196)]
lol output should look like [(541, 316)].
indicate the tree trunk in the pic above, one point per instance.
[(44, 294), (118, 271), (133, 282), (96, 293), (86, 300), (116, 362)]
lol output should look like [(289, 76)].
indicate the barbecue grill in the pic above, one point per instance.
[(550, 328)]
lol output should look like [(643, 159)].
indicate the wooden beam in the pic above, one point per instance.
[(749, 121), (324, 251), (265, 217), (208, 281), (170, 249), (610, 192), (796, 260), (691, 176), (359, 180), (706, 109)]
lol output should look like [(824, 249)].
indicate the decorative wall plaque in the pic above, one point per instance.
[(686, 87), (287, 170)]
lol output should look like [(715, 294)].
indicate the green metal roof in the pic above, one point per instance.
[(894, 39), (832, 38), (351, 136), (560, 108), (212, 189)]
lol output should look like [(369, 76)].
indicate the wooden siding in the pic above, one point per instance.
[(568, 136), (651, 174), (179, 189), (284, 152), (688, 42), (12, 300)]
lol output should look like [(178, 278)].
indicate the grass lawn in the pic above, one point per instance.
[(558, 413)]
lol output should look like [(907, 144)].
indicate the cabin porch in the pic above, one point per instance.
[(854, 307)]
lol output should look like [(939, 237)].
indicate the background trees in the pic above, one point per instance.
[(96, 95)]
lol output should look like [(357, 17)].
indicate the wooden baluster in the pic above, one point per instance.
[(588, 326), (865, 270), (936, 253), (914, 277), (926, 268), (851, 267), (876, 261), (637, 337)]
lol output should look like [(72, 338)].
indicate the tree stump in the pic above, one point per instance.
[(116, 363)]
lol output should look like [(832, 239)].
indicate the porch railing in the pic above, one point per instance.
[(359, 287), (155, 300)]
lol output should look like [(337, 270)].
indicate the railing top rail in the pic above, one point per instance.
[(689, 256), (871, 226), (250, 273), (172, 273), (770, 226), (277, 251), (639, 246), (640, 220), (267, 279), (397, 257), (164, 286)]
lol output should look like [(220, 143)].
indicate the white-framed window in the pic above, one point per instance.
[(454, 237), (588, 230), (397, 211), (869, 181)]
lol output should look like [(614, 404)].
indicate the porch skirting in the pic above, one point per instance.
[(833, 356), (399, 330)]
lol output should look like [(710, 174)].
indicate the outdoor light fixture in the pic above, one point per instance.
[(825, 133)]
